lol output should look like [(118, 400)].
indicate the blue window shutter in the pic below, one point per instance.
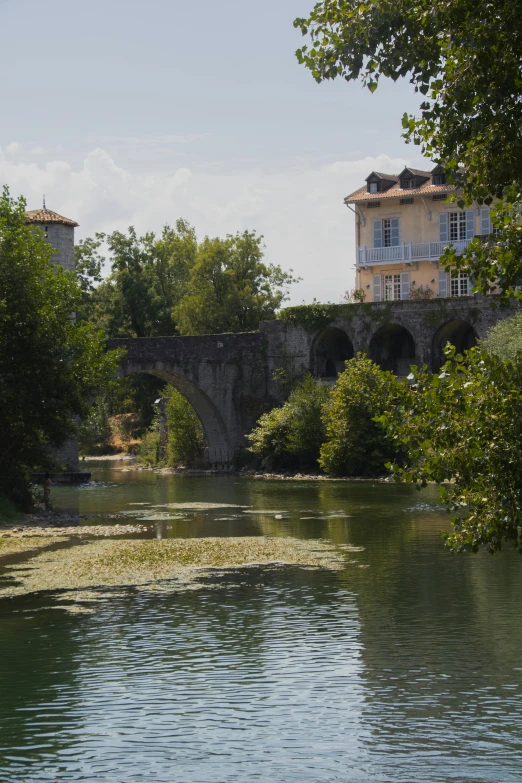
[(485, 223), (395, 232), (443, 227), (377, 288), (405, 285), (443, 283), (470, 223), (377, 233)]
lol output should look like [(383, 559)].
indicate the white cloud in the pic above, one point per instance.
[(298, 208)]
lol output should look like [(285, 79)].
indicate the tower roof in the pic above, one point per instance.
[(47, 216)]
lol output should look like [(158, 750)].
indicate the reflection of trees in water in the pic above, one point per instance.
[(435, 630), (38, 662)]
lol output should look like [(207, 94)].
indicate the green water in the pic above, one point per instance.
[(403, 667)]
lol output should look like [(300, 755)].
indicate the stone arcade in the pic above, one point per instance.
[(229, 378)]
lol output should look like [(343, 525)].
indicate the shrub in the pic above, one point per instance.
[(291, 436), (355, 443), (8, 511), (186, 437), (505, 338), (149, 449), (95, 431)]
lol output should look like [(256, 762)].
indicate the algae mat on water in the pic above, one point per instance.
[(139, 562)]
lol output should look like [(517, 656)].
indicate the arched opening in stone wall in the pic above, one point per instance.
[(459, 333), (392, 347), (331, 349), (216, 452)]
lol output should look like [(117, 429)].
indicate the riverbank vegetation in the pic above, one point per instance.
[(183, 438), (51, 366), (462, 429)]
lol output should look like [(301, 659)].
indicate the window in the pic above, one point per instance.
[(386, 232), (373, 204), (406, 200), (486, 227), (373, 187), (439, 197), (407, 184), (460, 284), (457, 226), (392, 287), (439, 179)]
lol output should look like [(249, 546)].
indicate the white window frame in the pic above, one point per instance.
[(456, 226), (460, 284), (374, 187), (392, 287)]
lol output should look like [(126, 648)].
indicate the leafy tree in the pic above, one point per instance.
[(464, 426), (88, 264), (186, 437), (356, 444), (148, 278), (231, 288), (268, 441), (150, 446), (505, 338), (465, 59), (50, 367), (95, 430), (291, 436)]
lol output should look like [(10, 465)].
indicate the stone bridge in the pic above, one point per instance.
[(231, 379)]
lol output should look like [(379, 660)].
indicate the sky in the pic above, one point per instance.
[(136, 113)]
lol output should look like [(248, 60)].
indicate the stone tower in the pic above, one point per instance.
[(59, 232)]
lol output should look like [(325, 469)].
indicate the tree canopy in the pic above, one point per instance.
[(231, 288), (462, 429), (355, 443), (148, 278), (464, 58), (50, 366)]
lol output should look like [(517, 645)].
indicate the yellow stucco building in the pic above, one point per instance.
[(403, 224)]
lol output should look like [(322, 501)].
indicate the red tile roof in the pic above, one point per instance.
[(47, 216), (397, 192)]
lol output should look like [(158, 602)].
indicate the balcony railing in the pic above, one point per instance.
[(409, 251)]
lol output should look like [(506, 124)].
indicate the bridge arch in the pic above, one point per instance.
[(330, 349), (392, 347), (459, 333), (219, 453)]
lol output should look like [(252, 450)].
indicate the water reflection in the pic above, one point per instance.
[(406, 669)]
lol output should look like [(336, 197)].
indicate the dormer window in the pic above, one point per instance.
[(439, 179), (407, 184), (373, 187)]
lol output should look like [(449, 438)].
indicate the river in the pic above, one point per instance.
[(405, 666)]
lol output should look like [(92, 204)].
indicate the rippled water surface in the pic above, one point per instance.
[(405, 666)]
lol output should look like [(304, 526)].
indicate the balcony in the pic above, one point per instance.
[(408, 253)]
